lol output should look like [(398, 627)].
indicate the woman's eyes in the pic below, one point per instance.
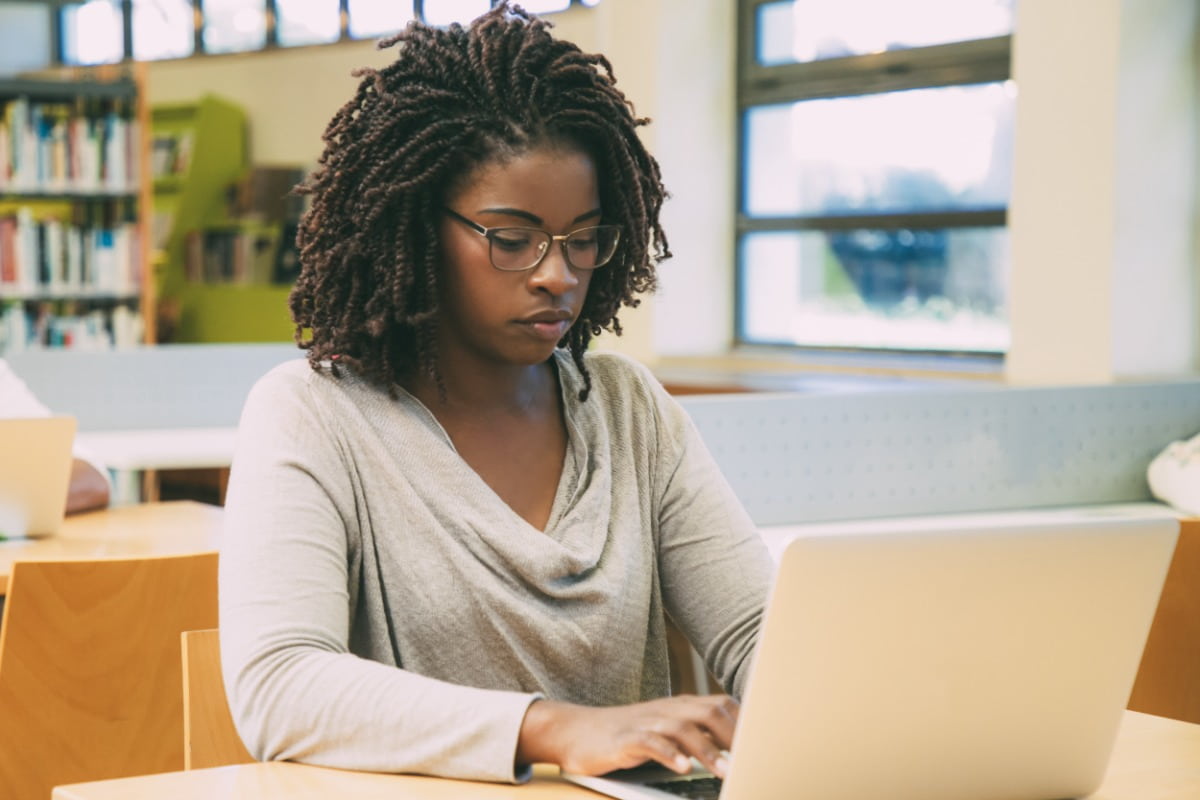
[(511, 241), (516, 240)]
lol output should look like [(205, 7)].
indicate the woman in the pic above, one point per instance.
[(453, 534)]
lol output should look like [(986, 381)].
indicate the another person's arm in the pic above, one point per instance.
[(88, 489)]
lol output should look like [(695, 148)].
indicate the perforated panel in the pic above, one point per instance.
[(806, 458)]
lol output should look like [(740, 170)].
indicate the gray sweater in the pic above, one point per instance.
[(382, 609)]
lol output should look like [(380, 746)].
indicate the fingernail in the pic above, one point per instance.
[(721, 766), (683, 764)]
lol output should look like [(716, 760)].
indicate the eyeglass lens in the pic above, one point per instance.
[(522, 248)]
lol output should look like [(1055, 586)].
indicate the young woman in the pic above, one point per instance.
[(453, 534)]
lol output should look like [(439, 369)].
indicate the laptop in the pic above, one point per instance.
[(35, 471), (971, 663)]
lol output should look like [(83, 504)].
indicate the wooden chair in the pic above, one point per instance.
[(688, 673), (1168, 680), (90, 668), (209, 737)]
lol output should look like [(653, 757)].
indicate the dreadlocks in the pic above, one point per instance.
[(367, 295)]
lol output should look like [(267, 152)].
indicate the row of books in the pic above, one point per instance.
[(171, 153), (25, 326), (52, 257), (232, 256), (68, 147)]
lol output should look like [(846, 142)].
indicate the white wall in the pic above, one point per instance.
[(1105, 261), (1104, 207)]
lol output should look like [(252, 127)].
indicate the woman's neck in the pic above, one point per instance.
[(489, 388)]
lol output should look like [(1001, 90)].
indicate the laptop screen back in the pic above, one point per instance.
[(975, 663), (35, 471)]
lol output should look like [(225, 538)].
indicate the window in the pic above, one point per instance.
[(233, 26), (444, 12), (374, 18), (876, 154), (163, 29), (307, 22), (93, 32)]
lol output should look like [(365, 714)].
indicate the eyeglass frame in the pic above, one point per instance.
[(561, 238)]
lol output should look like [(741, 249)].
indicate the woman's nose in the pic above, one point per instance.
[(553, 273)]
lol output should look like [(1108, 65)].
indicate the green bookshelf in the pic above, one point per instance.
[(198, 152), (235, 313)]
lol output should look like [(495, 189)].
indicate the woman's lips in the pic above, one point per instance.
[(550, 330)]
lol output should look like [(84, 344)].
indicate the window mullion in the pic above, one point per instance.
[(975, 218), (981, 61)]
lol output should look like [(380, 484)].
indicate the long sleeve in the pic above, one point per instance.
[(287, 598), (715, 568)]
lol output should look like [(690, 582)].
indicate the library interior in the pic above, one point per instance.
[(933, 275)]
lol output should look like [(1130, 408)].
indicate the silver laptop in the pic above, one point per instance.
[(950, 664), (35, 471)]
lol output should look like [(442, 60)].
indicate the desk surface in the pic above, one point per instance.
[(1154, 759), (128, 531)]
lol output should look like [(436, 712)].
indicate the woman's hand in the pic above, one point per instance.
[(591, 741)]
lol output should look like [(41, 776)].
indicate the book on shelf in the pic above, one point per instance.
[(50, 325), (287, 256), (93, 254), (77, 147), (239, 256), (171, 153), (23, 328)]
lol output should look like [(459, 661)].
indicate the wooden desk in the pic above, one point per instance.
[(1155, 759), (139, 530)]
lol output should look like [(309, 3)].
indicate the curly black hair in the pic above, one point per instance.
[(455, 98)]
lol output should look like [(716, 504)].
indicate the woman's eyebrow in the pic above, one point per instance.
[(534, 218)]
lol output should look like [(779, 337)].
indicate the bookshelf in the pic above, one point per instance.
[(216, 272), (74, 203)]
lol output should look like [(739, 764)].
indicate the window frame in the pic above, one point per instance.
[(271, 9), (978, 61)]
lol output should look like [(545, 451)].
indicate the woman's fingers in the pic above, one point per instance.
[(703, 731), (671, 731), (664, 749)]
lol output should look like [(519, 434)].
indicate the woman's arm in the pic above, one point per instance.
[(714, 567), (296, 690)]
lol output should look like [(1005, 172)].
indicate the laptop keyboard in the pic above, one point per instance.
[(695, 788)]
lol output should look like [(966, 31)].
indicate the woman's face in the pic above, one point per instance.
[(515, 318)]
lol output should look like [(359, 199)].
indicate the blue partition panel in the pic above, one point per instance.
[(816, 457), (168, 386)]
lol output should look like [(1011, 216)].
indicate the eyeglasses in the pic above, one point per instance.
[(520, 249)]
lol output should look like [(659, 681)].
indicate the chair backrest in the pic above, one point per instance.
[(1168, 680), (209, 737), (90, 667)]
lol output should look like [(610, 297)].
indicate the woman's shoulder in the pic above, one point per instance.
[(297, 382), (617, 369), (622, 383), (289, 376)]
